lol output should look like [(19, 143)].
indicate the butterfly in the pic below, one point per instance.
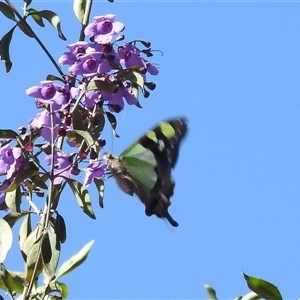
[(144, 168)]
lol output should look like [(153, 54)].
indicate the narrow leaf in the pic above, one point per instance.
[(211, 292), (13, 217), (251, 296), (4, 49), (113, 122), (60, 228), (102, 85), (26, 28), (36, 16), (79, 8), (50, 253), (13, 200), (25, 230), (17, 281), (75, 260), (82, 196), (54, 20), (6, 239), (7, 11), (262, 288), (100, 187)]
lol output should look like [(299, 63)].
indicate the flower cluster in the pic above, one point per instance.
[(102, 77)]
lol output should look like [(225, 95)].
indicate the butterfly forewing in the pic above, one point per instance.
[(145, 167)]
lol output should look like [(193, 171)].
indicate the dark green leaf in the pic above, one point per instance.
[(6, 238), (7, 11), (53, 78), (26, 28), (79, 8), (133, 76), (13, 217), (102, 85), (50, 254), (31, 249), (211, 292), (27, 2), (6, 279), (85, 135), (4, 49), (60, 228), (250, 296), (36, 17), (262, 288), (82, 196), (113, 122), (25, 230), (13, 200), (53, 19), (17, 281), (100, 187), (75, 260)]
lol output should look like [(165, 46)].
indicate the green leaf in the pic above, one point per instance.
[(25, 230), (27, 2), (13, 200), (250, 296), (50, 253), (211, 292), (13, 217), (6, 239), (36, 17), (55, 286), (7, 11), (6, 279), (8, 134), (133, 76), (53, 19), (100, 187), (82, 196), (4, 49), (102, 85), (30, 249), (262, 288), (26, 28), (79, 9), (75, 260), (60, 228), (113, 122), (17, 281), (83, 135)]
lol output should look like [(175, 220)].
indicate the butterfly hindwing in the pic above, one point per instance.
[(145, 167)]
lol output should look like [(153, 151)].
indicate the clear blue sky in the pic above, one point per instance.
[(233, 69)]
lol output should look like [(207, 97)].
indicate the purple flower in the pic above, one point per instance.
[(103, 28), (130, 56), (76, 50), (94, 170), (62, 164), (116, 102), (11, 160), (90, 64), (50, 93), (43, 121)]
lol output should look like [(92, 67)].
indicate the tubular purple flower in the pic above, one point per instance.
[(76, 50), (103, 28), (94, 170), (49, 93), (117, 99), (43, 121), (11, 160), (62, 163)]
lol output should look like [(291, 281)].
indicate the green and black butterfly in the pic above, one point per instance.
[(145, 167)]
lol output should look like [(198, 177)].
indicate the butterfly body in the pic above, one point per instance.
[(145, 167)]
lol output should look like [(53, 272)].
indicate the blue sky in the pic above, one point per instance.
[(232, 68)]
